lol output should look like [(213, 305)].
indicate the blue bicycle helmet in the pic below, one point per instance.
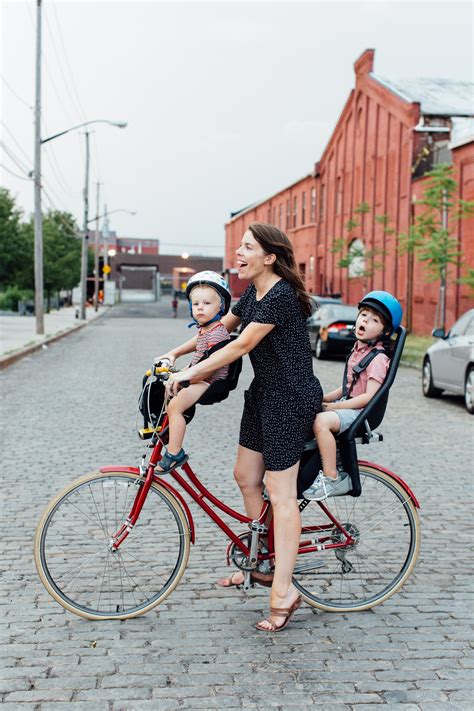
[(385, 304)]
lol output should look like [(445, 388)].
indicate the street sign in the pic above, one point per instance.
[(106, 269)]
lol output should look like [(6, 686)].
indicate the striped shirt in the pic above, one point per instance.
[(205, 341)]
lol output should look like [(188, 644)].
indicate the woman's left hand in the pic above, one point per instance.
[(173, 384)]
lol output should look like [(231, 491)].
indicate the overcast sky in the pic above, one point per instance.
[(226, 102)]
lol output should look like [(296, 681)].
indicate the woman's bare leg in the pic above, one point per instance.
[(248, 472), (281, 487)]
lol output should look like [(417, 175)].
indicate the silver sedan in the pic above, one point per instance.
[(449, 363)]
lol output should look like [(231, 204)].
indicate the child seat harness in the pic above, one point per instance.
[(358, 369), (152, 396), (378, 412), (220, 389)]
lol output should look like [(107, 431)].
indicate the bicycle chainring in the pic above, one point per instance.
[(236, 555)]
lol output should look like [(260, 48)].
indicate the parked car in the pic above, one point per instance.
[(331, 329), (449, 363), (319, 300)]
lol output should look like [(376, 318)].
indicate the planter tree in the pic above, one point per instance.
[(430, 237), (358, 261)]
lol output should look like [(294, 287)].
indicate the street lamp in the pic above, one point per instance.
[(96, 245), (85, 234)]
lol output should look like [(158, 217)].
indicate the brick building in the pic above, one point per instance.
[(388, 135)]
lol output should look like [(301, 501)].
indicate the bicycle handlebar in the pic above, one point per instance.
[(164, 371)]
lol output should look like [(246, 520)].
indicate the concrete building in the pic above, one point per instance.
[(389, 134)]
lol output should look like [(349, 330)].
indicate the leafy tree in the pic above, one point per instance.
[(61, 251), (12, 247), (430, 235), (350, 255)]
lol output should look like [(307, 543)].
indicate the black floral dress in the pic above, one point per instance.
[(284, 396)]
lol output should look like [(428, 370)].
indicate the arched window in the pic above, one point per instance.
[(356, 258)]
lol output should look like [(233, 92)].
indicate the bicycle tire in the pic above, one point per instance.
[(373, 569), (72, 539)]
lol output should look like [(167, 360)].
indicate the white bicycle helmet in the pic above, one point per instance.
[(216, 281)]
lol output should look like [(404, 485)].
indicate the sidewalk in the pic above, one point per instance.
[(18, 335)]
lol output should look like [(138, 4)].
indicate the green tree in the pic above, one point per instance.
[(15, 255), (430, 235), (350, 255)]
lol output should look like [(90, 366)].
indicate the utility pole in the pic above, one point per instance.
[(105, 234), (96, 254), (39, 299), (85, 235), (442, 288)]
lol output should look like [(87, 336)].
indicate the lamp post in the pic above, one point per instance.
[(96, 246), (85, 233)]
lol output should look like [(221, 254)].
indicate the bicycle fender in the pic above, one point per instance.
[(165, 485), (394, 476)]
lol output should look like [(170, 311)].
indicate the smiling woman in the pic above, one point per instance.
[(280, 404)]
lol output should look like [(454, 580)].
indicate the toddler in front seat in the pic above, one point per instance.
[(209, 299)]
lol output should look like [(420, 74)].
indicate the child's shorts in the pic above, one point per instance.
[(346, 418)]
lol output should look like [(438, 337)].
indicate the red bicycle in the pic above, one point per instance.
[(115, 543)]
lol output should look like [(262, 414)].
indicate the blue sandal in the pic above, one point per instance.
[(168, 461)]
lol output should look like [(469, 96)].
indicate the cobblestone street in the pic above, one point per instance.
[(70, 409)]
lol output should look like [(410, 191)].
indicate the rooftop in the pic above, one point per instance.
[(437, 97)]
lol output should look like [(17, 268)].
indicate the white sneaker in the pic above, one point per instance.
[(323, 487)]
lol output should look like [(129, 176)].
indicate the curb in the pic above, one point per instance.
[(11, 358)]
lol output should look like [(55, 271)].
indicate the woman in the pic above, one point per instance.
[(281, 403)]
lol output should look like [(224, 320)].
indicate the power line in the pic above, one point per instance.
[(14, 140), (17, 96), (74, 84), (21, 177), (18, 162), (50, 75), (60, 65)]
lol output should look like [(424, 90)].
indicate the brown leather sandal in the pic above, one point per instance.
[(286, 612)]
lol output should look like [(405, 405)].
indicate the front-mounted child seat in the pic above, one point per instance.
[(152, 396), (360, 432)]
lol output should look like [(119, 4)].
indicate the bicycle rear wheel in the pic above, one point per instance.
[(74, 558), (384, 523)]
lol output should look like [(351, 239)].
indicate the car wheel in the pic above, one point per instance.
[(319, 349), (469, 391), (428, 388)]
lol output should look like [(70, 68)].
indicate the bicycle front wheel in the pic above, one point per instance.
[(384, 524), (73, 551)]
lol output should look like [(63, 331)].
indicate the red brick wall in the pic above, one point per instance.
[(368, 159)]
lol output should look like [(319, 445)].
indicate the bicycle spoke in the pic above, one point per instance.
[(77, 564), (384, 535)]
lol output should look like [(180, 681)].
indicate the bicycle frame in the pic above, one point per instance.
[(199, 493)]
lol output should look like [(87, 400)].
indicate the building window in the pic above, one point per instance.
[(356, 259), (322, 197), (295, 211), (339, 196), (288, 214), (274, 215), (269, 214), (280, 216), (313, 205), (441, 153), (303, 209)]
